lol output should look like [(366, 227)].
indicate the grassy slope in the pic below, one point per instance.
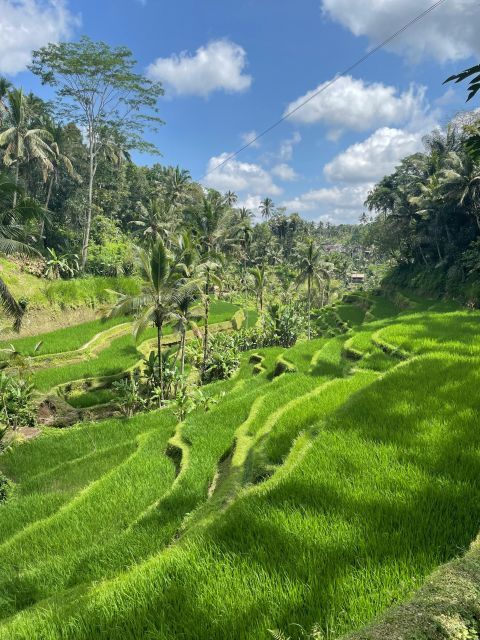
[(370, 481), (118, 356)]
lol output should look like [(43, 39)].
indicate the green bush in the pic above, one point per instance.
[(3, 488), (222, 360), (16, 401), (90, 290), (112, 258)]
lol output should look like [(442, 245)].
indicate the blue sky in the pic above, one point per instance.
[(231, 68)]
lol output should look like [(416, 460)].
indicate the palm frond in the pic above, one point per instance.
[(10, 305)]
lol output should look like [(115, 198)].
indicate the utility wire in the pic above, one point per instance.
[(346, 71)]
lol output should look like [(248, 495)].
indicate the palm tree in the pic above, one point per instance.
[(175, 183), (259, 283), (266, 208), (244, 232), (461, 183), (158, 298), (5, 86), (154, 221), (312, 270), (429, 206), (22, 142), (230, 199), (206, 277), (185, 316), (59, 160), (209, 224), (13, 236)]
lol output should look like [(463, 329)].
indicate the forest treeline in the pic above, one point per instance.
[(71, 193)]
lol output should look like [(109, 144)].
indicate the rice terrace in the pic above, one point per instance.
[(222, 417)]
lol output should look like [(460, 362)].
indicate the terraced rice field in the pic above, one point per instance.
[(323, 496)]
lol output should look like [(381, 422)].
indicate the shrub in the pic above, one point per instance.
[(16, 401), (3, 488), (89, 290), (129, 398), (222, 359), (284, 325), (113, 258)]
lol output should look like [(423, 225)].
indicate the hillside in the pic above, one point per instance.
[(320, 496)]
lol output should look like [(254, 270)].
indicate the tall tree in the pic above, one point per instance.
[(13, 236), (23, 141), (266, 208), (259, 283), (99, 90), (5, 86), (230, 199), (311, 270), (157, 301), (59, 160)]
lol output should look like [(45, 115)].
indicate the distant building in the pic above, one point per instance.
[(334, 248), (357, 278)]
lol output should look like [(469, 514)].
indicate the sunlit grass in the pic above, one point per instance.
[(322, 496)]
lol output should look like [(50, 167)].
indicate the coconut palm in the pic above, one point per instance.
[(154, 221), (5, 87), (460, 182), (209, 224), (155, 304), (259, 283), (23, 143), (230, 199), (13, 235), (185, 315), (312, 270), (175, 183), (206, 277), (266, 208), (59, 160)]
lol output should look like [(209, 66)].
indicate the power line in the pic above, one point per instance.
[(346, 71)]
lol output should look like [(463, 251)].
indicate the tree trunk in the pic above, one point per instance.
[(160, 358), (182, 348), (88, 222), (17, 171), (205, 327), (309, 286), (436, 240), (47, 203)]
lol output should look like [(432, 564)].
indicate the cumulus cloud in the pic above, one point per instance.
[(249, 138), (252, 203), (370, 160), (219, 65), (337, 204), (286, 146), (358, 105), (243, 177), (30, 24), (449, 32), (284, 172)]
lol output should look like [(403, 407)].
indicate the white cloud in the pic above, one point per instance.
[(358, 105), (252, 203), (238, 176), (286, 147), (249, 138), (378, 155), (337, 204), (219, 65), (284, 172), (449, 32), (26, 25)]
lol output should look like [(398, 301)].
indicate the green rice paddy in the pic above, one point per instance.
[(323, 496)]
